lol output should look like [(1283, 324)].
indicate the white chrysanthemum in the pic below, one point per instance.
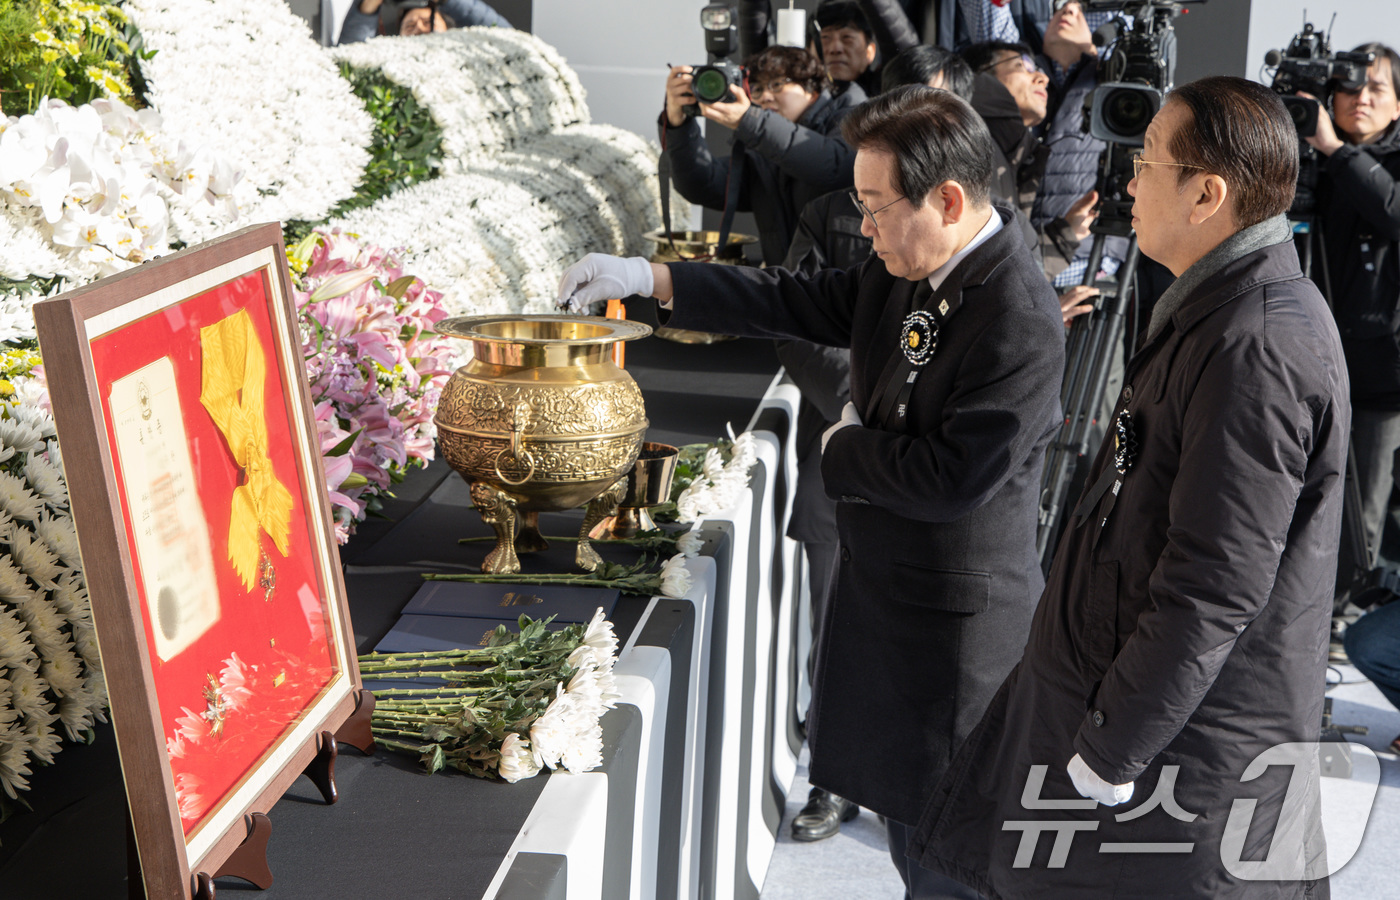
[(15, 649), (46, 480), (69, 595), (600, 636), (584, 750), (19, 436), (696, 500), (14, 585), (64, 672), (517, 760), (248, 80), (16, 498), (58, 535), (14, 759), (550, 733), (27, 407), (45, 625), (43, 740), (689, 544), (32, 556), (76, 712), (29, 693), (675, 577)]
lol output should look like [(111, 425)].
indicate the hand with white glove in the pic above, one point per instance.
[(599, 277), (1095, 788), (849, 417)]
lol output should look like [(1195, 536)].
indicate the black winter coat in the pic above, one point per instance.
[(1359, 204), (786, 165), (828, 237), (1191, 629), (938, 571)]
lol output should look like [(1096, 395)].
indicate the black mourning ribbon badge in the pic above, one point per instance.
[(1125, 451), (919, 337)]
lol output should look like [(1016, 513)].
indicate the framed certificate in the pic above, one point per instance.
[(194, 469)]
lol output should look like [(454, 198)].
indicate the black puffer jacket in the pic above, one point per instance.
[(1358, 202), (1018, 166), (786, 165)]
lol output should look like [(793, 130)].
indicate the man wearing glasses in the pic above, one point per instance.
[(1011, 95), (1176, 663), (957, 353)]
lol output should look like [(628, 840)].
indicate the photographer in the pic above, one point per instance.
[(1358, 205), (788, 148), (1010, 93), (416, 17)]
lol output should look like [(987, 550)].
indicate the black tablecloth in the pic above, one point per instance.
[(394, 831)]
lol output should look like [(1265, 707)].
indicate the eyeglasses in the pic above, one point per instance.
[(869, 213), (771, 87), (1027, 64), (1139, 162), (1061, 4)]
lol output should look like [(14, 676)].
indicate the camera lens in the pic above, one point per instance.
[(1127, 112), (710, 85)]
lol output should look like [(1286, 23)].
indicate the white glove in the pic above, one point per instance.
[(849, 417), (599, 277), (1095, 788)]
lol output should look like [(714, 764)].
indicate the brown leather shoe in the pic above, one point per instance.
[(821, 818)]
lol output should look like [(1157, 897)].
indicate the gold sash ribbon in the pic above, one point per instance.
[(235, 371)]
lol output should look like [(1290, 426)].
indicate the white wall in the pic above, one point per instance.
[(620, 50), (1272, 24)]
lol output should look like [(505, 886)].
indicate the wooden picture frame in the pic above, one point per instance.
[(206, 539)]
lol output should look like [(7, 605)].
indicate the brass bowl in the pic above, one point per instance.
[(648, 485), (696, 246)]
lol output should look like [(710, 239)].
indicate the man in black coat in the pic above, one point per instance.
[(1358, 202), (957, 353), (1178, 655)]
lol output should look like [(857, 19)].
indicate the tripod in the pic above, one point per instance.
[(1088, 358)]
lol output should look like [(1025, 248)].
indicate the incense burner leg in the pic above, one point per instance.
[(530, 540), (598, 509), (498, 510)]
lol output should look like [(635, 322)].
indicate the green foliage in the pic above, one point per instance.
[(406, 147), (74, 50)]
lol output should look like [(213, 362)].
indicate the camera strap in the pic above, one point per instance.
[(731, 193), (663, 177)]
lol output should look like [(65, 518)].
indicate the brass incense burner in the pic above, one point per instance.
[(696, 246), (541, 420)]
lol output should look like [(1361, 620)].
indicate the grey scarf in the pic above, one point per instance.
[(1237, 246)]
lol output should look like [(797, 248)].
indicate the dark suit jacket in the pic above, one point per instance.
[(938, 569)]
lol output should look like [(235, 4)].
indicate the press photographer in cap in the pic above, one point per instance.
[(1178, 656), (957, 353), (788, 148)]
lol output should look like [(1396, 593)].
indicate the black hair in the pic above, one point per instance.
[(934, 137), (921, 63), (981, 57), (843, 14), (1241, 131), (795, 63)]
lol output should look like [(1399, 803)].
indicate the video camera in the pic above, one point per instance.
[(1310, 65), (714, 81), (1133, 76), (1137, 70)]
